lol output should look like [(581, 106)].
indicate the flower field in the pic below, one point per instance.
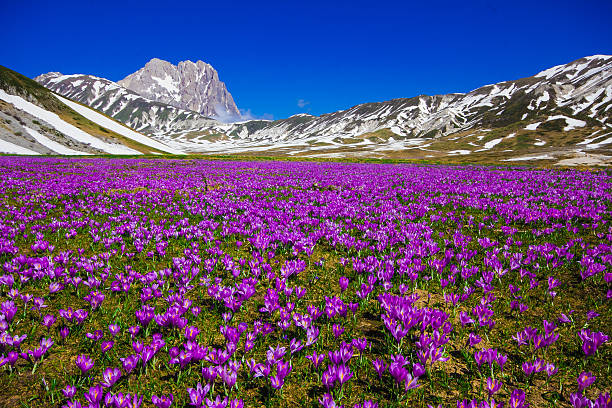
[(187, 283)]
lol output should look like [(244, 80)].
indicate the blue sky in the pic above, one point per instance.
[(282, 58)]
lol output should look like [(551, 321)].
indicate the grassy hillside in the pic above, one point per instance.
[(17, 84)]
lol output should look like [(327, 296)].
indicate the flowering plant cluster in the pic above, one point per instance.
[(188, 283)]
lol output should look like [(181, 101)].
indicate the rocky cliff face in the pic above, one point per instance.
[(189, 85)]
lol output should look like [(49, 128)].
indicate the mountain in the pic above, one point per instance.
[(560, 114), (135, 111), (188, 85), (563, 98), (34, 120)]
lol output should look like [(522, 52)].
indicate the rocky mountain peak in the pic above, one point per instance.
[(187, 85)]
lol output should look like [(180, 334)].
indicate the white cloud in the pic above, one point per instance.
[(223, 115), (302, 103), (226, 117)]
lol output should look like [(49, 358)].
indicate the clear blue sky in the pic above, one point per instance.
[(330, 55)]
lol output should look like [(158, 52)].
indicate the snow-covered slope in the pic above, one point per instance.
[(116, 127), (38, 121), (139, 113), (64, 127)]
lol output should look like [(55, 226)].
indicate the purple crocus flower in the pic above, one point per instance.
[(110, 376), (366, 404), (580, 401), (80, 315), (114, 329), (67, 314), (295, 345), (236, 403), (197, 395), (138, 346), (218, 402), (550, 369), (327, 401), (162, 401), (337, 329), (210, 373), (501, 360), (528, 367), (585, 380), (360, 344), (465, 319), (493, 386), (8, 309), (69, 391), (283, 368), (474, 339), (191, 332), (380, 366), (95, 336), (64, 332), (329, 377), (277, 382), (84, 363), (316, 359), (411, 382), (147, 354), (517, 399), (106, 345), (343, 282), (134, 330), (48, 320), (12, 358), (418, 370), (129, 363), (94, 395), (591, 341)]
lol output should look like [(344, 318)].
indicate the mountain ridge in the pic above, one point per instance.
[(574, 97)]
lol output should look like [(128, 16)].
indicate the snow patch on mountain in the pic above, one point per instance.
[(11, 148), (53, 145), (64, 127), (116, 127)]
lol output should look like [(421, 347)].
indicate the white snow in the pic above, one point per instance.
[(167, 83), (539, 142), (540, 157), (64, 127), (592, 137), (491, 143), (543, 98), (533, 126), (599, 144), (53, 145), (462, 152), (10, 148), (589, 142), (397, 130), (115, 126), (550, 72), (571, 122), (511, 135)]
